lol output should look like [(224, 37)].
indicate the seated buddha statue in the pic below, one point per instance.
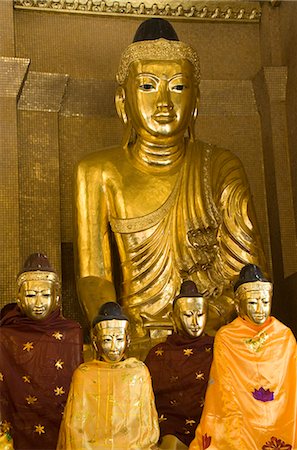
[(111, 403), (162, 207), (251, 399), (39, 350), (180, 368)]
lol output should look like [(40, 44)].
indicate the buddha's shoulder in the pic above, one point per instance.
[(103, 157), (215, 153)]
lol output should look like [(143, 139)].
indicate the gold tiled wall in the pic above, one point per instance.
[(39, 166), (12, 74)]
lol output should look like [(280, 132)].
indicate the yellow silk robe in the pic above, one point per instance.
[(251, 399), (110, 406)]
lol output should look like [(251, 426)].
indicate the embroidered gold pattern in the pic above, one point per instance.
[(256, 343), (31, 399), (26, 379), (39, 429), (28, 346), (59, 390), (188, 351), (57, 335), (162, 418), (59, 364), (199, 375), (159, 352)]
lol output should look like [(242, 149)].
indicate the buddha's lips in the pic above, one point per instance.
[(164, 117)]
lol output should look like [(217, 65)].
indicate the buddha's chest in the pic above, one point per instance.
[(136, 194)]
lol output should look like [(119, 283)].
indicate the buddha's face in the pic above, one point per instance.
[(255, 303), (160, 98), (189, 315), (38, 298), (111, 341)]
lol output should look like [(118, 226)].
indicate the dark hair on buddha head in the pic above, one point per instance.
[(155, 28)]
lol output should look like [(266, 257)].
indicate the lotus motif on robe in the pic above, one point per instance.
[(275, 443), (263, 395)]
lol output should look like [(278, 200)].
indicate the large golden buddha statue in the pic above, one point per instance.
[(162, 207)]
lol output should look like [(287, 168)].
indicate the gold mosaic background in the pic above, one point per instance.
[(57, 87)]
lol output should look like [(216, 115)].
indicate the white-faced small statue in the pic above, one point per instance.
[(110, 334), (253, 295), (189, 312), (38, 288)]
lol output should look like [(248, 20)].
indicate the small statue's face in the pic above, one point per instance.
[(189, 315), (38, 298), (255, 305), (111, 343), (160, 97)]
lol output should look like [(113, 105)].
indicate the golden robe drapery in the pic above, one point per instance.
[(110, 407), (251, 399)]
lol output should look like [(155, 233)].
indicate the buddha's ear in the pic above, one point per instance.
[(120, 98), (194, 117)]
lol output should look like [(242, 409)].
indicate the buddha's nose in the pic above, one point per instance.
[(164, 97)]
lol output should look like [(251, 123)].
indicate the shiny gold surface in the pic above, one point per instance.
[(110, 340), (254, 301), (173, 207), (243, 11), (38, 297), (190, 315)]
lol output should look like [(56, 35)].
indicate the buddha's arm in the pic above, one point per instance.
[(93, 255), (239, 237)]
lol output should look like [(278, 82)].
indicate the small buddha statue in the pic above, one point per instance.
[(39, 350), (180, 368), (162, 206), (251, 399), (111, 402)]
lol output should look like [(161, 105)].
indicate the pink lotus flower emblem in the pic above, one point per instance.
[(275, 443), (206, 440), (263, 395)]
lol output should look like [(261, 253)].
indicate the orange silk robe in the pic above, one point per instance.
[(110, 406), (251, 399)]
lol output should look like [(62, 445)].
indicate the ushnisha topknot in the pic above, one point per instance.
[(156, 39)]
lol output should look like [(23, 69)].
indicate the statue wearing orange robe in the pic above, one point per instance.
[(251, 399)]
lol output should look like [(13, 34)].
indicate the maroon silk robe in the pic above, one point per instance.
[(37, 360), (180, 368)]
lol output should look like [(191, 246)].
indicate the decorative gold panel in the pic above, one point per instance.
[(207, 10)]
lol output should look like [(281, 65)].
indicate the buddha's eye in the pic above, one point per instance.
[(178, 87), (147, 87)]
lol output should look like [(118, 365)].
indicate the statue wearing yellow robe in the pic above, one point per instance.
[(110, 407)]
